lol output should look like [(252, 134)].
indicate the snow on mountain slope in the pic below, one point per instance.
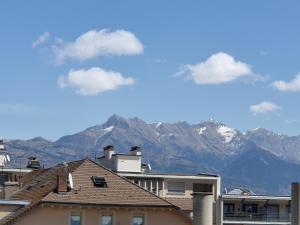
[(227, 133), (200, 130)]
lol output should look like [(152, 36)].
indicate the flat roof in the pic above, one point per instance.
[(22, 170), (256, 197), (13, 202), (171, 176)]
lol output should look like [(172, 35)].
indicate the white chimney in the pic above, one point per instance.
[(108, 151)]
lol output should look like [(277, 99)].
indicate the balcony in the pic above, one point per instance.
[(257, 217)]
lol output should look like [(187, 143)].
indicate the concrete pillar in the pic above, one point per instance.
[(203, 208), (157, 187), (220, 211), (295, 204)]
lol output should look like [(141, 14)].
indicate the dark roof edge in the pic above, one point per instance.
[(109, 205)]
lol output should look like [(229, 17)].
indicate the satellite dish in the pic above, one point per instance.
[(7, 158), (70, 180)]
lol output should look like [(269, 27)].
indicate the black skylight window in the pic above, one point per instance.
[(99, 181)]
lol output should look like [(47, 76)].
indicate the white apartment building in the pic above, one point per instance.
[(241, 206), (175, 188), (237, 207)]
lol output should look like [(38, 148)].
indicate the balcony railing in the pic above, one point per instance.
[(260, 217)]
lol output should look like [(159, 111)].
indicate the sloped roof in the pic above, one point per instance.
[(120, 191), (185, 204), (38, 187)]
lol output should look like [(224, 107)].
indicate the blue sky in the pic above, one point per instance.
[(234, 61)]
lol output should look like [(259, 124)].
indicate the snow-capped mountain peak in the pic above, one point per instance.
[(227, 133), (200, 130)]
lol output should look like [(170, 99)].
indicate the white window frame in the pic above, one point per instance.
[(81, 212), (139, 213), (113, 214)]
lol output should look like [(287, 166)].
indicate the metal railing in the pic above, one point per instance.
[(261, 217)]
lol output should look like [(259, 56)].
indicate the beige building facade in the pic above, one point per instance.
[(86, 193), (62, 215)]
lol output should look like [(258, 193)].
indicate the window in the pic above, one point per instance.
[(76, 218), (197, 187), (273, 211), (250, 208), (176, 187), (99, 181), (288, 209), (228, 208), (138, 220), (107, 219)]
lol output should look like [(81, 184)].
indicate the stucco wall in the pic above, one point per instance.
[(60, 216)]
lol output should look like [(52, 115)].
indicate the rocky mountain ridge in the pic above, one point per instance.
[(259, 159)]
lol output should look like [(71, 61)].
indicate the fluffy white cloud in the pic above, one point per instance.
[(98, 43), (94, 81), (264, 107), (41, 39), (293, 85), (218, 68)]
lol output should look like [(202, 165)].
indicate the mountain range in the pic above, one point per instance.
[(258, 159)]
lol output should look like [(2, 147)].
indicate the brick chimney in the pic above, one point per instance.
[(295, 204), (62, 179)]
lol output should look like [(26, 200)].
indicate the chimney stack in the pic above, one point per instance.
[(202, 204), (108, 151), (2, 145), (136, 150), (10, 188), (295, 204), (33, 163), (62, 179)]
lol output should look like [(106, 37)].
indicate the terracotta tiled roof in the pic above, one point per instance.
[(33, 191), (119, 190), (185, 204)]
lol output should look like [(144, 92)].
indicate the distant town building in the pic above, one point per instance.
[(9, 176)]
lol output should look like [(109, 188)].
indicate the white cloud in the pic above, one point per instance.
[(96, 43), (218, 68), (94, 81), (41, 39), (264, 107), (293, 85)]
